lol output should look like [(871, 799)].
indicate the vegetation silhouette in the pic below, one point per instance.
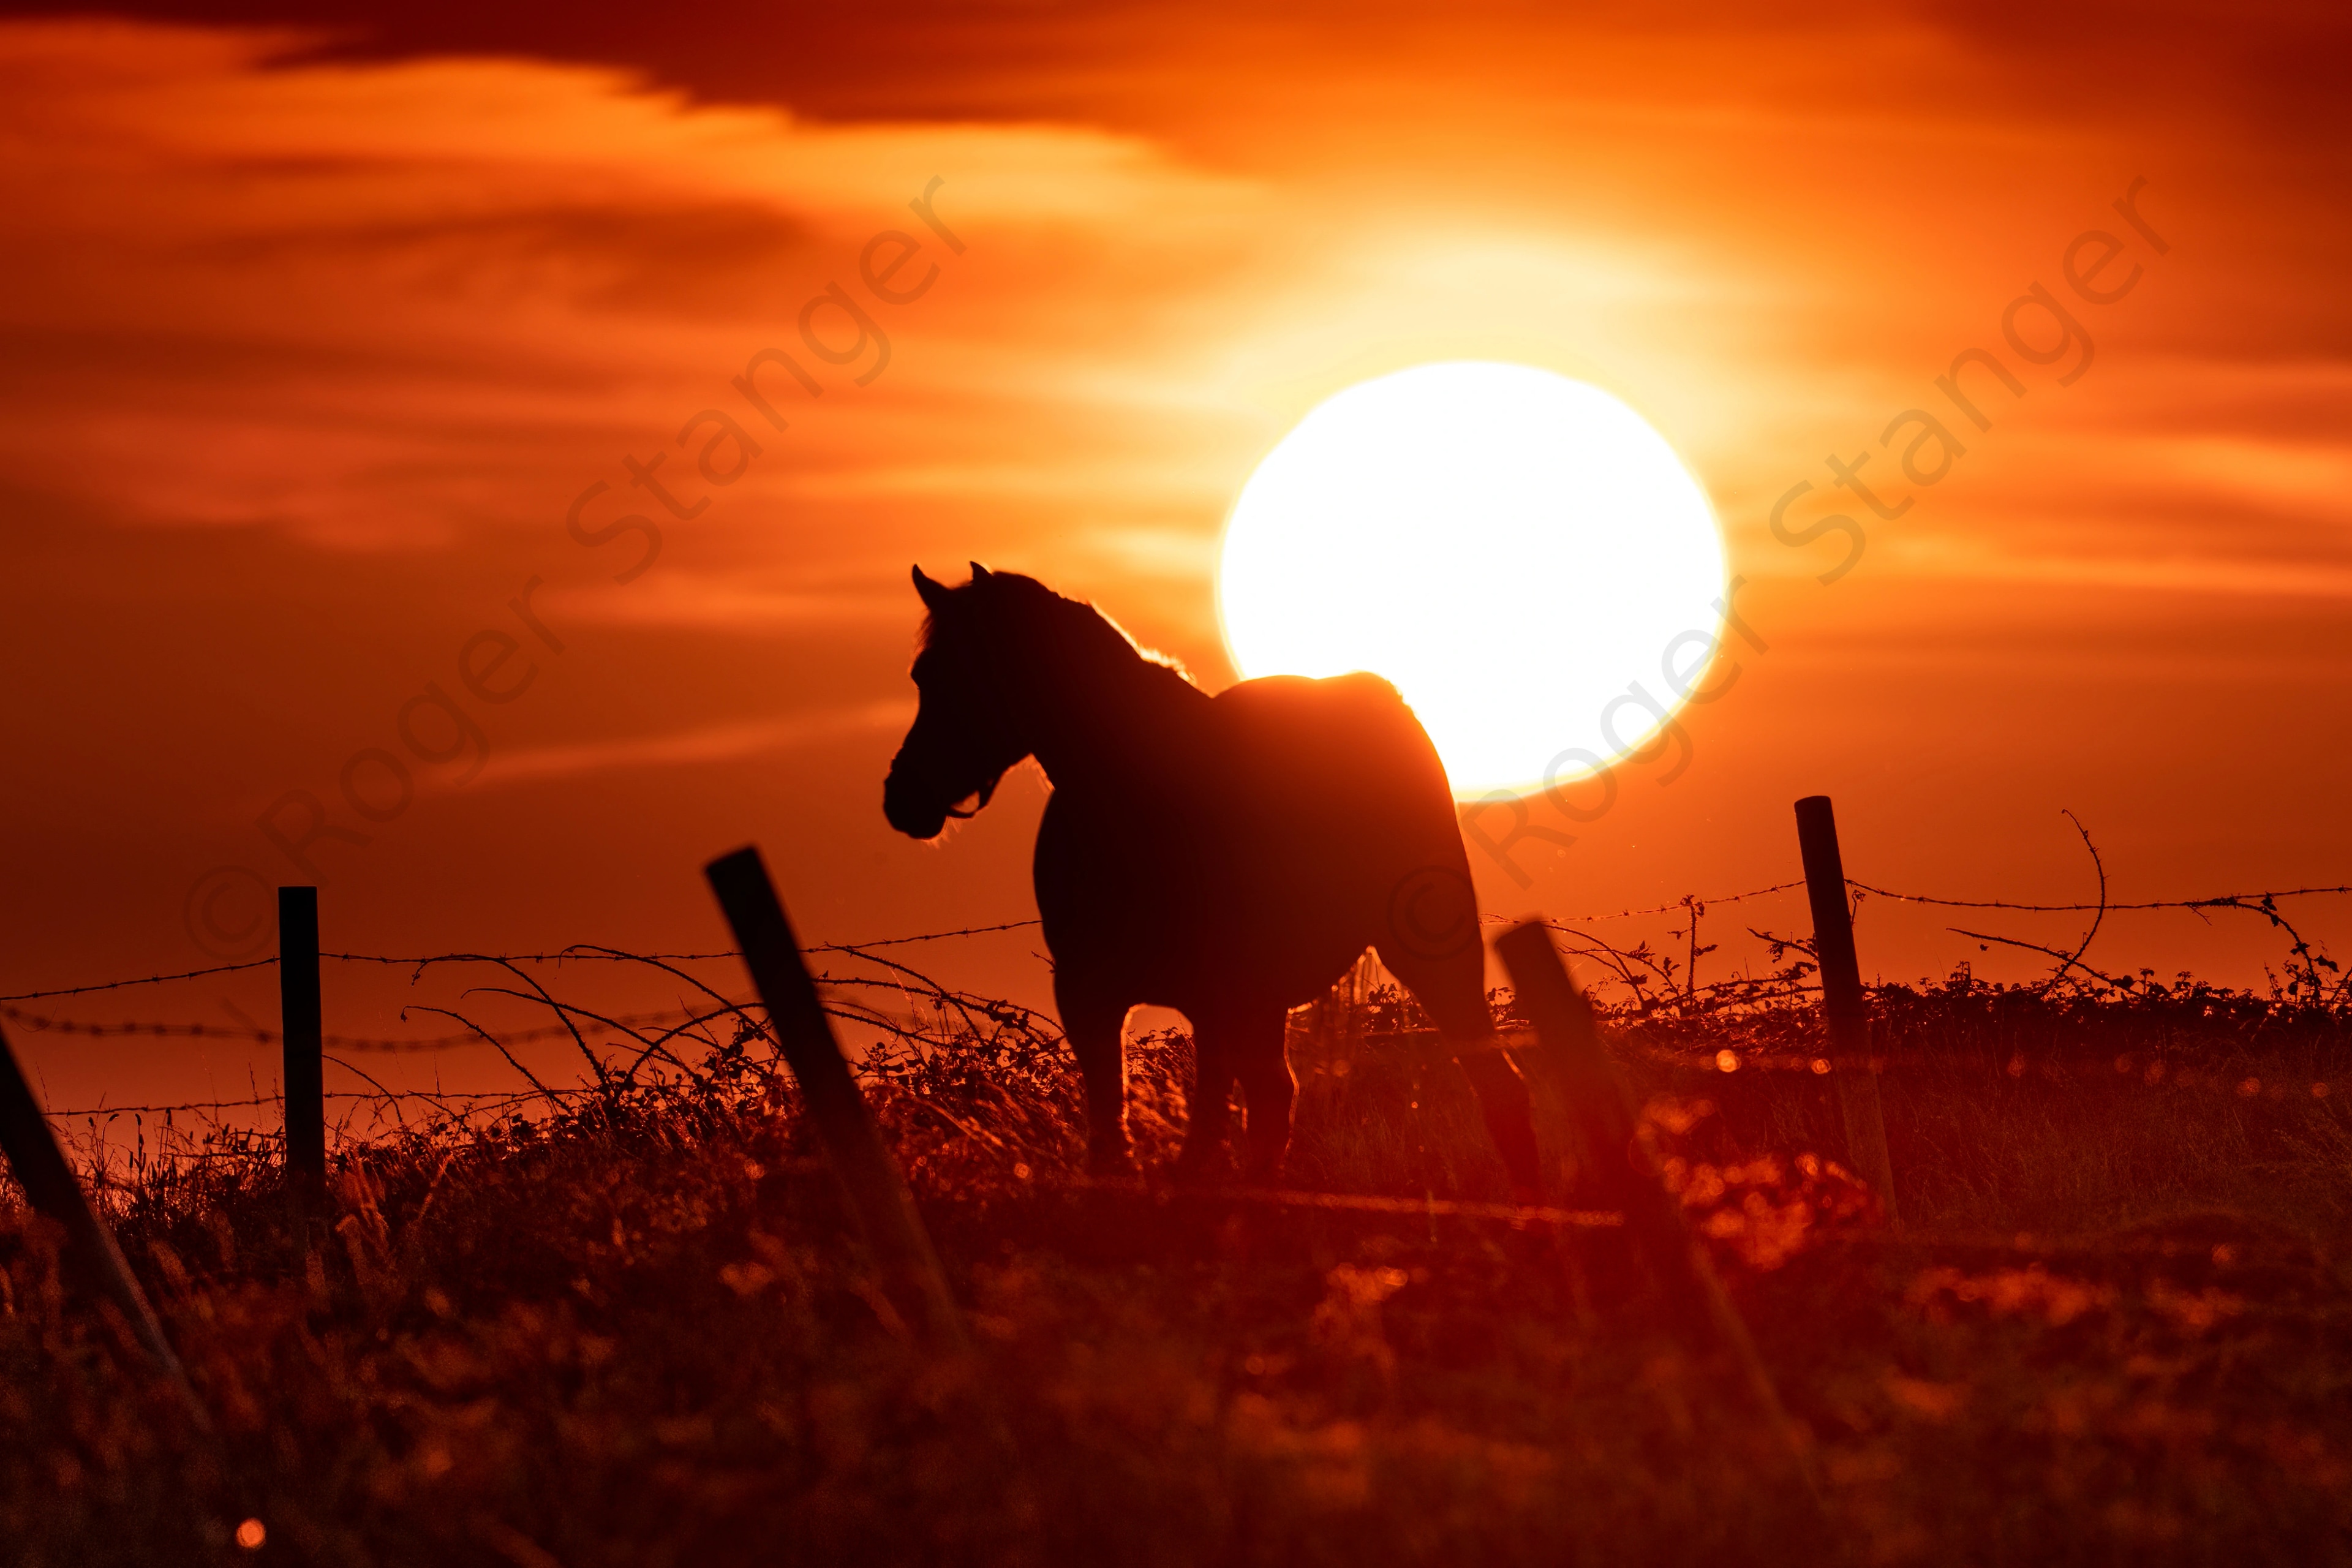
[(1229, 856), (636, 1325)]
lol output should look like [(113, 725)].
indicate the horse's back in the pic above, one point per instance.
[(1260, 859), (1339, 801), (1346, 750)]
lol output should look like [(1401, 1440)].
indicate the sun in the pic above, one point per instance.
[(1522, 554)]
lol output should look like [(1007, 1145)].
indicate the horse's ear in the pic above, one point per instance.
[(979, 573), (934, 595)]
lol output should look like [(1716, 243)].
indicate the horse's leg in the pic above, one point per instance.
[(1452, 988), (1207, 1114), (1096, 1028), (1268, 1089)]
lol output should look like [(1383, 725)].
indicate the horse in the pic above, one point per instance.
[(1227, 857)]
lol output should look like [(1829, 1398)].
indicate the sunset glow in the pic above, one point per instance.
[(1522, 554), (705, 860), (351, 352)]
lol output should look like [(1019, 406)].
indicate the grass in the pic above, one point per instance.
[(640, 1330)]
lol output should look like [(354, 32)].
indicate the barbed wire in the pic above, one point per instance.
[(435, 1097), (1678, 907), (2149, 1070), (2250, 901), (568, 953), (41, 1023), (143, 980), (2245, 1089), (909, 984), (591, 1023), (584, 953)]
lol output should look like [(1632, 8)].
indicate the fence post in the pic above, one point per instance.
[(1626, 1171), (302, 1033), (877, 1193), (1841, 1002), (48, 1182)]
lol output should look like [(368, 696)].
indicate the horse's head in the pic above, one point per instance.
[(962, 743)]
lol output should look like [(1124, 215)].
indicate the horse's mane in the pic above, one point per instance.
[(1083, 629)]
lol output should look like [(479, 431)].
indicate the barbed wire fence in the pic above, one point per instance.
[(919, 1034), (619, 1051), (1646, 980), (1656, 1202)]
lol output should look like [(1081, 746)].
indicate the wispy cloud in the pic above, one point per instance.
[(686, 748)]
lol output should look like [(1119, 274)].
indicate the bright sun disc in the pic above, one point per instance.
[(1522, 554)]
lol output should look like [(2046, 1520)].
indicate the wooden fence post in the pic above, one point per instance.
[(1627, 1171), (301, 1032), (48, 1182), (1848, 1016), (877, 1192)]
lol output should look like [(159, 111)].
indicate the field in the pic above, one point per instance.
[(2113, 1327)]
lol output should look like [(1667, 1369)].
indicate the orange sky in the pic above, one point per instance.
[(317, 326)]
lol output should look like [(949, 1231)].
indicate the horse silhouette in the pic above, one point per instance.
[(1229, 856)]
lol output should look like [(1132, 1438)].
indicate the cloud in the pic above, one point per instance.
[(383, 304), (691, 599), (319, 335), (687, 748)]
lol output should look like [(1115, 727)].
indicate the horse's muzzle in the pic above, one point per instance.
[(913, 817)]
